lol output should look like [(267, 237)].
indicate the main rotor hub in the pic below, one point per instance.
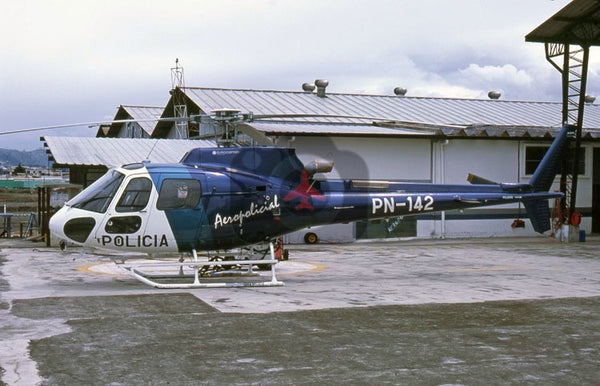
[(226, 115)]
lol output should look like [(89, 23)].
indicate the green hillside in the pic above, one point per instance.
[(11, 157)]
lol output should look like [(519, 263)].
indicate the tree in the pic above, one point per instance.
[(19, 169)]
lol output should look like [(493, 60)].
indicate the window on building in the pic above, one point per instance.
[(533, 157), (178, 193), (535, 153), (136, 195)]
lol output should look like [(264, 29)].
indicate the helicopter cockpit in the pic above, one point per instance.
[(98, 195), (115, 211)]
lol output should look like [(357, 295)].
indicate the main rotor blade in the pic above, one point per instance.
[(250, 118), (375, 119), (264, 116), (95, 123)]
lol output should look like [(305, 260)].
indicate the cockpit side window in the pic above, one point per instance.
[(136, 195), (98, 195), (178, 193)]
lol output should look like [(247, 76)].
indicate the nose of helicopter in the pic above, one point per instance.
[(57, 222), (70, 226)]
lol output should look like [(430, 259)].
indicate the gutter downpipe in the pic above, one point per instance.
[(443, 145)]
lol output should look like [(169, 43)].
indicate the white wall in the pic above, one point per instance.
[(336, 233), (584, 181), (132, 130), (362, 158), (438, 161), (369, 158), (496, 160)]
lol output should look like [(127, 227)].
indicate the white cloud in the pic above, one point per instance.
[(506, 74), (505, 78), (65, 61), (446, 91)]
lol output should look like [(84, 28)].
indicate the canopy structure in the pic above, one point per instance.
[(568, 36), (577, 23)]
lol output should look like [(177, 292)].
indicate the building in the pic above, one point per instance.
[(439, 140), (116, 144), (144, 120), (421, 139), (89, 158)]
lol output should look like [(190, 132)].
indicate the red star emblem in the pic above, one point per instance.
[(304, 191)]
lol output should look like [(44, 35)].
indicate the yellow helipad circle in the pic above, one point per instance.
[(282, 268)]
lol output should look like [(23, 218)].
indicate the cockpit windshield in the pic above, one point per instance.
[(98, 195)]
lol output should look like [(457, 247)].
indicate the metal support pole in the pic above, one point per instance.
[(565, 85), (196, 268), (565, 121), (39, 210), (584, 70), (47, 216)]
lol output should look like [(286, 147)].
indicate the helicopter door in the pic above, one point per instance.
[(125, 221), (179, 198)]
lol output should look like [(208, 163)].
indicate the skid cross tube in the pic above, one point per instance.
[(136, 270)]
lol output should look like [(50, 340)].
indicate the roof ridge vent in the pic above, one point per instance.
[(494, 94), (308, 87), (321, 86), (400, 91)]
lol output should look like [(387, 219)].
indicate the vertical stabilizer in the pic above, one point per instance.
[(538, 211), (543, 177)]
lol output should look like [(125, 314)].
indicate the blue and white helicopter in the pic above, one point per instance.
[(219, 199)]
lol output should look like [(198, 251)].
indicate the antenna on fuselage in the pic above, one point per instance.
[(147, 159)]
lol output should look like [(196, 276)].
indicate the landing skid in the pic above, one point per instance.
[(204, 272)]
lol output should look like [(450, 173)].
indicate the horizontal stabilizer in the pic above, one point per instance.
[(476, 180)]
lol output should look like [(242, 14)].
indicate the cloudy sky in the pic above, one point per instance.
[(66, 61)]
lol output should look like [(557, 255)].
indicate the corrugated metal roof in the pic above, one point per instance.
[(145, 116), (440, 111), (144, 113), (118, 151), (506, 132)]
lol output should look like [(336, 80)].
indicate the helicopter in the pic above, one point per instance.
[(223, 198)]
